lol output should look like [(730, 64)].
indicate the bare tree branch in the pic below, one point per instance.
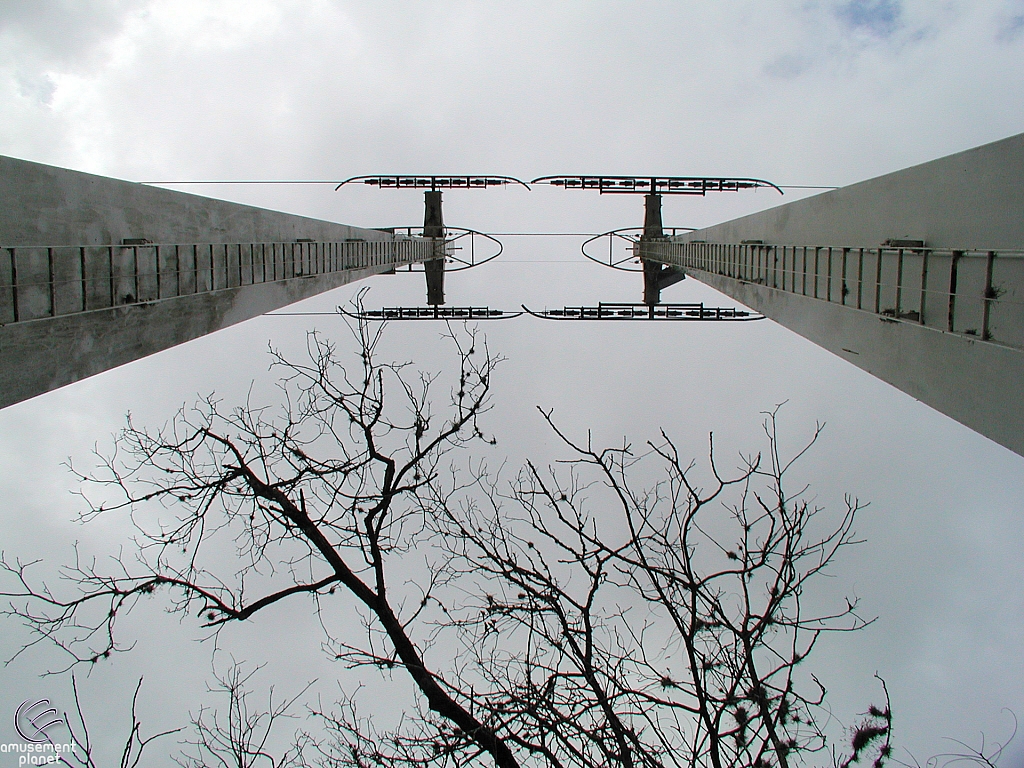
[(621, 607)]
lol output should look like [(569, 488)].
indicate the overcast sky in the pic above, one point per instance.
[(808, 92)]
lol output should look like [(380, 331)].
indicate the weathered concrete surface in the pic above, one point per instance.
[(975, 382), (973, 199), (970, 200), (44, 205), (41, 355)]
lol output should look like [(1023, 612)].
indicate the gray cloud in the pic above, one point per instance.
[(1011, 29), (878, 17), (788, 66), (62, 33)]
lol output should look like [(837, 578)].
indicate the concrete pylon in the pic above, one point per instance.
[(916, 277), (433, 228), (97, 272)]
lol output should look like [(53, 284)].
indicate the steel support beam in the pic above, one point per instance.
[(656, 274), (433, 228)]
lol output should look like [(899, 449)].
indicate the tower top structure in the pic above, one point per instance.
[(655, 185)]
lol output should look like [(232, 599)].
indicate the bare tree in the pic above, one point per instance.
[(83, 751), (985, 755), (872, 735), (617, 625), (238, 735), (575, 616), (312, 499)]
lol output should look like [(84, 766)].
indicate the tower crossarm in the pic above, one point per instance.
[(658, 185), (433, 218), (433, 182)]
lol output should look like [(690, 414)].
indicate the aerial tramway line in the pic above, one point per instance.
[(642, 247)]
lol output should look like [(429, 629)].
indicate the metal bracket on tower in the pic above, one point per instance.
[(656, 274), (433, 227), (433, 218)]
